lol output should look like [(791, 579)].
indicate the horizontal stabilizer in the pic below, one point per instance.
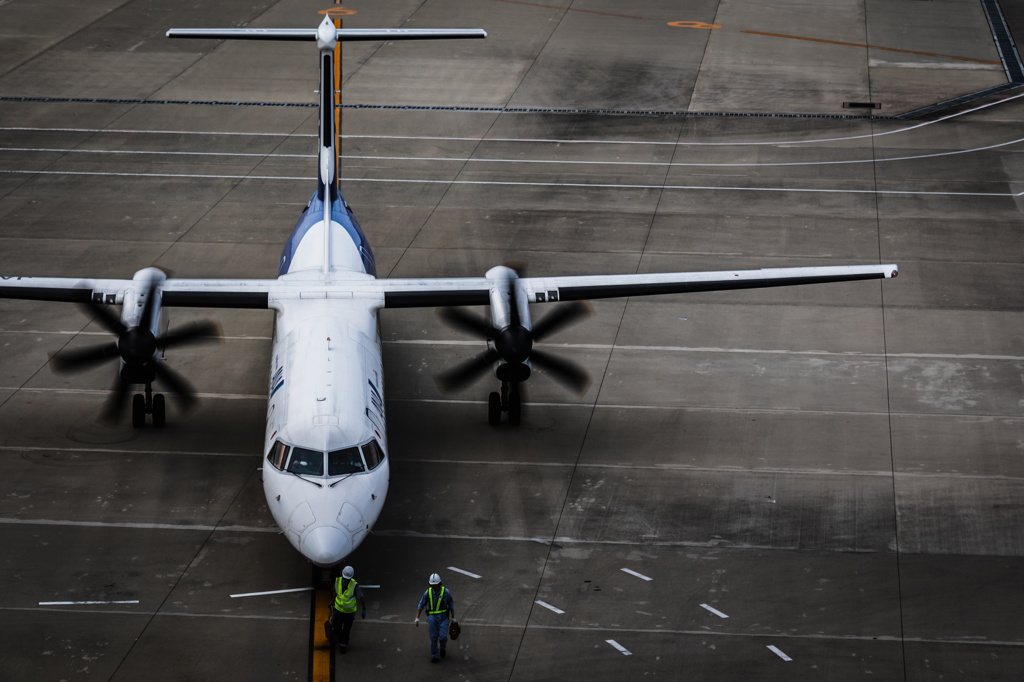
[(310, 34)]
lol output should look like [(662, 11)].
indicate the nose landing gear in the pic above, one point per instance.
[(506, 401), (155, 405)]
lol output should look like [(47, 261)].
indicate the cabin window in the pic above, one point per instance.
[(347, 461), (373, 453), (308, 462), (278, 454)]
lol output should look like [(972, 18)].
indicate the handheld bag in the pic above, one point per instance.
[(454, 630)]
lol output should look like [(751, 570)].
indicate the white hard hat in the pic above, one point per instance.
[(347, 572), (435, 579)]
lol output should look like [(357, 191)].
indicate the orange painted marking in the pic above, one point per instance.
[(321, 646), (693, 24), (872, 47), (572, 9), (337, 12)]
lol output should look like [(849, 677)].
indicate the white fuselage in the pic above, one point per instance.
[(326, 396)]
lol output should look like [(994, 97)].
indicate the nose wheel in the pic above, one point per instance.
[(506, 401), (155, 405)]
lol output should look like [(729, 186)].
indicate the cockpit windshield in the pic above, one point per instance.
[(353, 460), (307, 462), (374, 455), (347, 461)]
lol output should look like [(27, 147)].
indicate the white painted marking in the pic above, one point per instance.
[(140, 526), (459, 570), (677, 143), (101, 391), (69, 603), (709, 349), (370, 587), (658, 631), (622, 649), (714, 611), (779, 652), (260, 594), (82, 333), (549, 606), (638, 575), (36, 449), (574, 162), (496, 183)]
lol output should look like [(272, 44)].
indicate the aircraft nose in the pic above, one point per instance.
[(326, 546)]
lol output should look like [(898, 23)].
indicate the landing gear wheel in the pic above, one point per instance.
[(494, 408), (515, 408), (138, 411), (159, 410)]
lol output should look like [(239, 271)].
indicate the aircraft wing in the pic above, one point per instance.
[(196, 293), (420, 293), (414, 293)]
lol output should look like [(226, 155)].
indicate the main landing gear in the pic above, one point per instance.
[(506, 401), (149, 404)]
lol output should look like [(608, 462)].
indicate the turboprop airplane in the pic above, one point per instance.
[(326, 432)]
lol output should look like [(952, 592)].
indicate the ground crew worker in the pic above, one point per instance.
[(346, 592), (439, 604)]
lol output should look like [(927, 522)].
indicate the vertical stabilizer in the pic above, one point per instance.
[(328, 37)]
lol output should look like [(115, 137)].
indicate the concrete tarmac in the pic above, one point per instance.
[(836, 468)]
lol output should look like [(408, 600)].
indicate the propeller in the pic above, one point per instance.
[(137, 347), (515, 345)]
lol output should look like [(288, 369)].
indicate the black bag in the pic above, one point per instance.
[(454, 630), (329, 628)]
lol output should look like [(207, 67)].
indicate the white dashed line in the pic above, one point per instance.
[(370, 587), (549, 606), (622, 649), (260, 594), (638, 575), (459, 570), (69, 603), (714, 611), (779, 652)]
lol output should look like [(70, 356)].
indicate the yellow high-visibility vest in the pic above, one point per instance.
[(438, 607), (346, 599)]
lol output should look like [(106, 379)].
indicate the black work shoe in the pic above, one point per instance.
[(434, 660), (443, 653), (342, 649)]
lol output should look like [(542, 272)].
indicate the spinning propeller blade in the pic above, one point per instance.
[(81, 359), (565, 372), (204, 331), (565, 315), (467, 322), (467, 372)]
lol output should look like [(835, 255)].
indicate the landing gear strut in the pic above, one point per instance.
[(149, 404), (506, 401)]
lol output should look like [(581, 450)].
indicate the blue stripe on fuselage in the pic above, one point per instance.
[(342, 215)]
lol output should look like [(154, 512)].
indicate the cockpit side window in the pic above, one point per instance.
[(307, 462), (373, 453), (278, 453), (347, 461)]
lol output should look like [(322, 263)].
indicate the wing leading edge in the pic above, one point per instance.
[(415, 293), (198, 293), (422, 293)]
